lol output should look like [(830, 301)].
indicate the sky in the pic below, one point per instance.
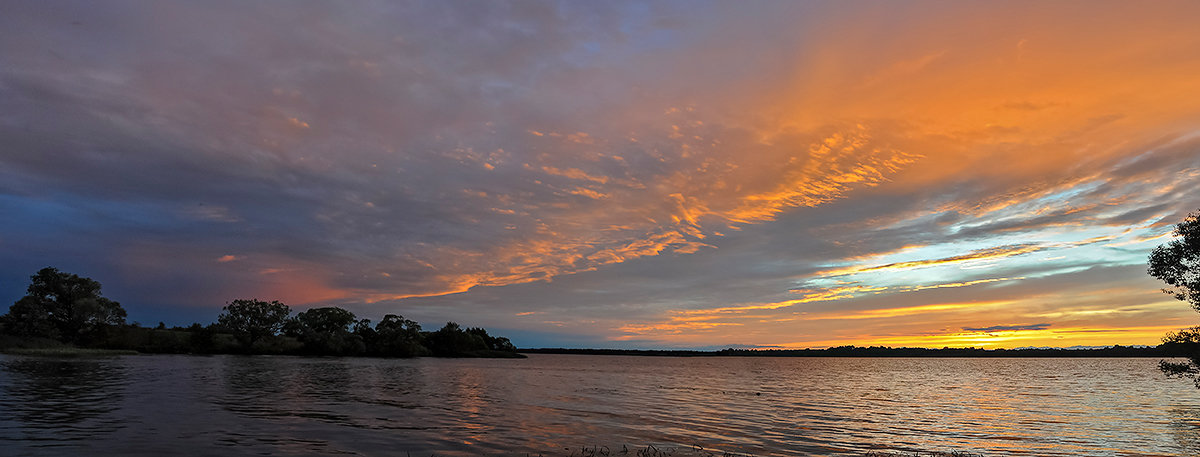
[(691, 174)]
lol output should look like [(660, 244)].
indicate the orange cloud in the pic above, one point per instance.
[(575, 173), (906, 311), (297, 123), (1040, 104), (956, 284), (587, 193), (979, 254)]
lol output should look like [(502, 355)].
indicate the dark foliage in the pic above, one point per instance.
[(64, 311), (1184, 343), (1177, 263), (202, 339), (326, 331), (395, 336), (64, 307), (252, 320), (452, 341), (492, 343)]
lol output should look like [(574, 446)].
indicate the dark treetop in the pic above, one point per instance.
[(63, 311)]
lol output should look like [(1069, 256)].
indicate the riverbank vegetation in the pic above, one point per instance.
[(1177, 264), (65, 314)]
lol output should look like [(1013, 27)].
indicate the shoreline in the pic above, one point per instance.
[(851, 351)]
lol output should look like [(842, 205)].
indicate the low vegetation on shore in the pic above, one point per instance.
[(64, 314)]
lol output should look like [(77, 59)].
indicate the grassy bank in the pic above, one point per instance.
[(67, 351), (48, 347)]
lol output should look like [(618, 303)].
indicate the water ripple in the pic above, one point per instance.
[(230, 405)]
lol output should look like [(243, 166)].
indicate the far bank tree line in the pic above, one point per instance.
[(65, 309)]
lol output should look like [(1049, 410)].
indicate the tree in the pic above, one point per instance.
[(453, 341), (363, 329), (396, 336), (252, 320), (326, 331), (63, 306), (202, 339), (1177, 263), (326, 320), (494, 343)]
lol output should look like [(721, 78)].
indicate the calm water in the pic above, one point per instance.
[(556, 404)]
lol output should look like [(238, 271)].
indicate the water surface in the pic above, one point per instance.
[(557, 404)]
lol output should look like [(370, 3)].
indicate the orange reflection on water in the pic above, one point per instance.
[(1049, 337)]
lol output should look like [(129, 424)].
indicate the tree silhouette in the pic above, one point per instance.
[(495, 343), (326, 331), (1177, 263), (452, 341), (63, 306), (396, 336), (252, 320)]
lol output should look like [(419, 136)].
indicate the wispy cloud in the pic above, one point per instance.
[(998, 328), (585, 160)]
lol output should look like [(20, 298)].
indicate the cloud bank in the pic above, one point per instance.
[(582, 173)]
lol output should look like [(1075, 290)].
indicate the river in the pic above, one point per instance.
[(575, 405)]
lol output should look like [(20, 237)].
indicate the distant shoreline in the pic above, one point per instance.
[(852, 351)]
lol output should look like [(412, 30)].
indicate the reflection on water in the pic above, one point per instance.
[(56, 402), (1185, 426), (238, 405), (254, 386)]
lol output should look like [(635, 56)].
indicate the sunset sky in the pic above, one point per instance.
[(608, 174)]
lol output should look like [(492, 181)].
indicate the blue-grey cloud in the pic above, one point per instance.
[(559, 168), (1002, 328)]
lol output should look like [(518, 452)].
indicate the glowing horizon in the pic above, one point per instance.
[(574, 174)]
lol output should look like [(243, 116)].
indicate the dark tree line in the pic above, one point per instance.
[(62, 308)]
